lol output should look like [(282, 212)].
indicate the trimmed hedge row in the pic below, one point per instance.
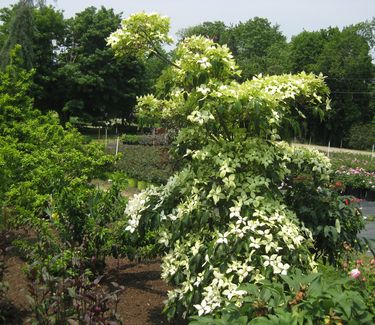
[(147, 163)]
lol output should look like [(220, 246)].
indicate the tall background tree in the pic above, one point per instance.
[(95, 85), (20, 31), (76, 73), (217, 31), (254, 44), (344, 57)]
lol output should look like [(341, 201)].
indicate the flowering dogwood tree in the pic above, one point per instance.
[(222, 220)]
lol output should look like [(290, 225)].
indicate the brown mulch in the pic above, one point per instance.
[(15, 308), (141, 302)]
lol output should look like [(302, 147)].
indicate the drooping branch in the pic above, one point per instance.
[(222, 123)]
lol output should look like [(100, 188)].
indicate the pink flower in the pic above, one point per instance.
[(355, 273)]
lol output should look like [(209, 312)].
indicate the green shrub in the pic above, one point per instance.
[(38, 157), (78, 226), (334, 221), (147, 163), (46, 173), (362, 136), (297, 299)]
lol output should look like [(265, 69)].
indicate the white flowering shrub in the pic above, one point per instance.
[(139, 33), (223, 221)]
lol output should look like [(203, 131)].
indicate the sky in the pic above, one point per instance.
[(293, 16)]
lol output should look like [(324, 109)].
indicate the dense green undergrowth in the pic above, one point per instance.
[(62, 223)]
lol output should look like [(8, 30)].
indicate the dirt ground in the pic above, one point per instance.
[(141, 302)]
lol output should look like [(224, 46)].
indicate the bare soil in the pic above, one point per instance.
[(141, 302)]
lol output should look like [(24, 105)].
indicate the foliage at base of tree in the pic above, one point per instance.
[(297, 299)]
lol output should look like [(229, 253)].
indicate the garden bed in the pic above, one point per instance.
[(355, 173), (141, 302)]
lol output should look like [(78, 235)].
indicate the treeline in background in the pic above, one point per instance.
[(78, 76)]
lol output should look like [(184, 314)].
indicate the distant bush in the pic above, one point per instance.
[(132, 139), (362, 136), (144, 139), (147, 163)]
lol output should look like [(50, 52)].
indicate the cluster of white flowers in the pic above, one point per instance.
[(240, 268), (221, 286), (203, 89), (200, 117), (134, 209), (275, 262), (204, 63)]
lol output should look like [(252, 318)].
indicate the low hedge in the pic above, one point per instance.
[(362, 136), (145, 139), (148, 163)]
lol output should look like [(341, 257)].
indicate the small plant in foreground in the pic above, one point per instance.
[(72, 300), (361, 269)]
